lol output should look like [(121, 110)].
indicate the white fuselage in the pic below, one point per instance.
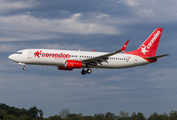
[(58, 58)]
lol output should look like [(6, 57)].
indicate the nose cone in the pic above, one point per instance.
[(12, 57)]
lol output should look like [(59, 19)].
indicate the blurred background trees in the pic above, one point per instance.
[(33, 113)]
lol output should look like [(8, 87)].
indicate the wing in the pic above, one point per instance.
[(96, 61)]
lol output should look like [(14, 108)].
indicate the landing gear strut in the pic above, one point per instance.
[(88, 71)]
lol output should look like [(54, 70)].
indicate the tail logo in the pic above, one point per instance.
[(143, 50), (153, 39)]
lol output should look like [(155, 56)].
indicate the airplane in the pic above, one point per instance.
[(69, 60)]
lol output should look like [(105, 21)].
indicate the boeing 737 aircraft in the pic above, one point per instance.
[(69, 60)]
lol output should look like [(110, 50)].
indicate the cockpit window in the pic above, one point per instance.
[(18, 53)]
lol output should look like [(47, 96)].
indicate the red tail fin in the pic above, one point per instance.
[(149, 47)]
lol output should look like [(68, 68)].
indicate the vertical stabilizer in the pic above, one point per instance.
[(150, 45)]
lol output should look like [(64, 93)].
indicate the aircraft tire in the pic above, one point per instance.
[(24, 68), (89, 71), (83, 72)]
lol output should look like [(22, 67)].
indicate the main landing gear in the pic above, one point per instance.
[(88, 71)]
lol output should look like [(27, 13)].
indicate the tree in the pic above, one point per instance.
[(99, 116), (133, 117), (33, 112), (173, 115), (3, 106), (64, 113), (2, 114), (124, 114), (41, 113), (25, 117), (55, 117), (10, 117), (110, 116), (155, 116), (140, 116)]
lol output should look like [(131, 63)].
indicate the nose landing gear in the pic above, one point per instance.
[(24, 68), (88, 71)]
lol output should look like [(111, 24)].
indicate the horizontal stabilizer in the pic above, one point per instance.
[(156, 57)]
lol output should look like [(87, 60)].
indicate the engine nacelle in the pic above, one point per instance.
[(64, 68), (73, 64)]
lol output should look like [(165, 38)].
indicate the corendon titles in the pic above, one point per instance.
[(53, 55), (153, 39)]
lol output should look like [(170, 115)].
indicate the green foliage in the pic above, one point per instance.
[(12, 113), (140, 116), (55, 117), (155, 116), (7, 112), (173, 115)]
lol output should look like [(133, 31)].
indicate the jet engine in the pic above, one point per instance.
[(73, 64)]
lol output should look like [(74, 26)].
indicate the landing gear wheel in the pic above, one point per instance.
[(83, 72), (89, 71), (24, 68)]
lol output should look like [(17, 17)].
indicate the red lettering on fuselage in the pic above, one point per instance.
[(37, 54), (53, 55)]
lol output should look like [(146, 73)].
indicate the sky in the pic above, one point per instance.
[(103, 25)]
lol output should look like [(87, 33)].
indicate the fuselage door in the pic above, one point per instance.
[(136, 60), (29, 54)]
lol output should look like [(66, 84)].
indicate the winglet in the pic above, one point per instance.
[(124, 46)]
